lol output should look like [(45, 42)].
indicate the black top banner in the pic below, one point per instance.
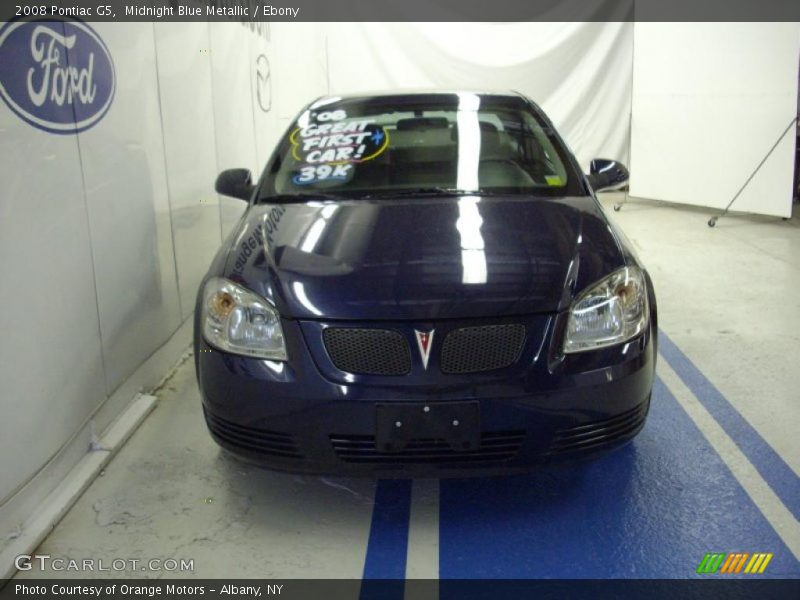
[(402, 10)]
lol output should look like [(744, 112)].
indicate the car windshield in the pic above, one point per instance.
[(419, 145)]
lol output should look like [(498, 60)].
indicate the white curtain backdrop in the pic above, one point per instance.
[(579, 73)]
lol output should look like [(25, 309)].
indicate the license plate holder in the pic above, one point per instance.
[(455, 423)]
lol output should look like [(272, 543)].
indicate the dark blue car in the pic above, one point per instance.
[(423, 284)]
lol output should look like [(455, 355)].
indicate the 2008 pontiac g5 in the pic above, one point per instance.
[(424, 284)]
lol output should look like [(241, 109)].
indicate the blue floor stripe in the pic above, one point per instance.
[(779, 475), (388, 541), (651, 509)]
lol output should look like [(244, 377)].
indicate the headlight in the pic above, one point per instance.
[(237, 320), (610, 312)]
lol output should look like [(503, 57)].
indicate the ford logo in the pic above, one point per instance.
[(56, 75)]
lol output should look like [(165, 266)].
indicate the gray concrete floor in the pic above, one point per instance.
[(170, 493), (729, 297)]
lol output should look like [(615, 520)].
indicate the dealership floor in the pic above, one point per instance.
[(714, 470)]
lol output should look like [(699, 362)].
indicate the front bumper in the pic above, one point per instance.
[(301, 416)]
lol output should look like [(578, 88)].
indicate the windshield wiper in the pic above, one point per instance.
[(422, 191), (302, 197), (376, 195), (441, 191)]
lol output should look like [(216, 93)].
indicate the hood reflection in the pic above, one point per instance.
[(473, 255)]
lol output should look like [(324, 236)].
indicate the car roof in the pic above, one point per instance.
[(406, 93)]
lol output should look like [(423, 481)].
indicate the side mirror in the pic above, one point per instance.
[(607, 175), (237, 183)]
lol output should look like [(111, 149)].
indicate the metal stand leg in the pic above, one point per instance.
[(713, 220), (618, 205)]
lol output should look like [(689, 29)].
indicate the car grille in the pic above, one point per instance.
[(475, 349), (599, 433), (252, 439), (368, 351), (494, 447)]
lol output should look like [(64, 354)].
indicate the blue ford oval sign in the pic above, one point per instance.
[(56, 75)]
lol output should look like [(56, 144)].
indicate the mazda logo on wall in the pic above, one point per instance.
[(263, 83), (56, 75)]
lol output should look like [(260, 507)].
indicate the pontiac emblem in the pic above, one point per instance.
[(424, 343)]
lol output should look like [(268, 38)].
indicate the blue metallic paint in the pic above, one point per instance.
[(540, 394), (402, 258)]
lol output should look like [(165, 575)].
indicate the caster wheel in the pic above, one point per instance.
[(712, 221), (617, 207)]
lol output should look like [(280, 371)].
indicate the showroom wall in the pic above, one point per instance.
[(107, 232)]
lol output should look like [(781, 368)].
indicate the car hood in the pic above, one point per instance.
[(423, 259)]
